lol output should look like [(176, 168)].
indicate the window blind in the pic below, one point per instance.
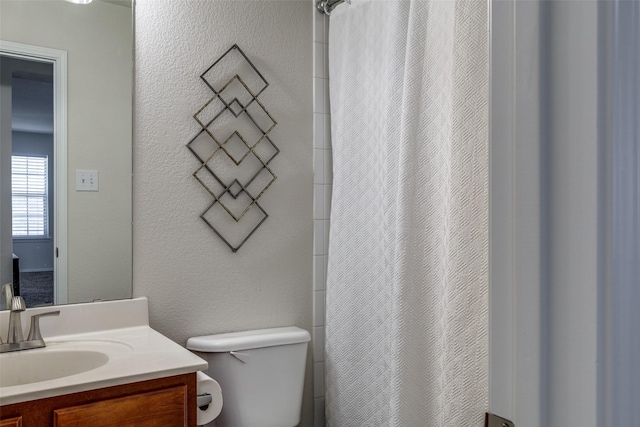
[(29, 195)]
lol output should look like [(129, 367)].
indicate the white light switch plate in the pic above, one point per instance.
[(86, 180)]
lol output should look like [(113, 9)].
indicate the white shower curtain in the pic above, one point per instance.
[(407, 286)]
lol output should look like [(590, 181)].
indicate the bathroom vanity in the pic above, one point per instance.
[(166, 401), (102, 366)]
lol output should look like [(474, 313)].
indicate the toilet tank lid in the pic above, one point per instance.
[(248, 339)]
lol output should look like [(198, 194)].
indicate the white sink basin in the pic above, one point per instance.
[(57, 360), (33, 367)]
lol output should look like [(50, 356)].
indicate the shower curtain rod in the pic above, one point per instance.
[(327, 6)]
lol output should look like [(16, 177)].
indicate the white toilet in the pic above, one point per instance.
[(261, 374)]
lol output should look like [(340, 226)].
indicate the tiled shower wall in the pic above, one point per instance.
[(322, 182)]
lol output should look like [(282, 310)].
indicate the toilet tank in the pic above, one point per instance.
[(261, 374)]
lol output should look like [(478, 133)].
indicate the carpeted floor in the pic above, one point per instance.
[(37, 288)]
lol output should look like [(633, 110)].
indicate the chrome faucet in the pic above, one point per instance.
[(34, 331), (15, 339), (15, 320), (7, 294), (5, 299)]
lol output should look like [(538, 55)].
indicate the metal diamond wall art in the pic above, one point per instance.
[(234, 148)]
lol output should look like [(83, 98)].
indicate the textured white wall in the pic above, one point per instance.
[(194, 283)]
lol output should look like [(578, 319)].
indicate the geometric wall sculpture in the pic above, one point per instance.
[(233, 148)]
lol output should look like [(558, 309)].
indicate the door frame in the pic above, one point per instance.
[(515, 300), (562, 343), (58, 58)]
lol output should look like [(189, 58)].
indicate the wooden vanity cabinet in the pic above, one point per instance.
[(165, 402), (11, 422)]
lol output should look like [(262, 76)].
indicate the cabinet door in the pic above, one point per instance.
[(163, 408), (11, 422)]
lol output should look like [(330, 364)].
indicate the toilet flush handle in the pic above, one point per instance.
[(240, 356)]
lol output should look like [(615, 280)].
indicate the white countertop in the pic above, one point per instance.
[(119, 329)]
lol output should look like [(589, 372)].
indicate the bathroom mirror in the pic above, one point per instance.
[(65, 158)]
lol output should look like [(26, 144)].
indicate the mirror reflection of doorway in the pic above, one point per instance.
[(29, 84)]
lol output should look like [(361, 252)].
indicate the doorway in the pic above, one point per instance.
[(32, 167), (33, 181), (30, 84)]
